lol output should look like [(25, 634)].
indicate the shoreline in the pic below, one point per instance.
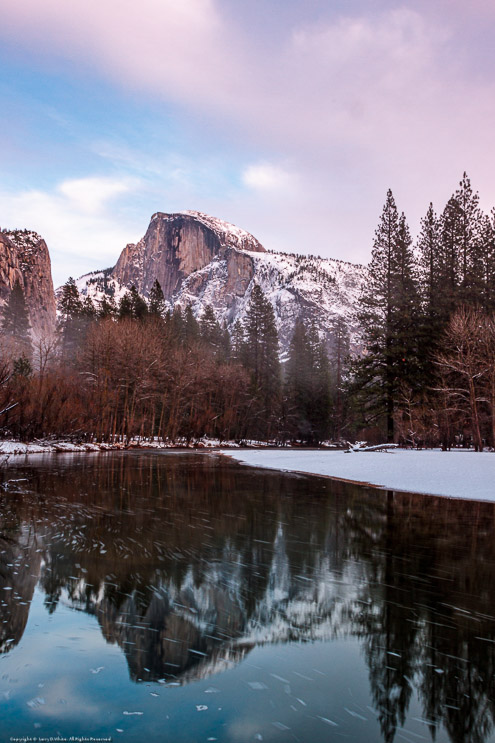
[(459, 473), (462, 474)]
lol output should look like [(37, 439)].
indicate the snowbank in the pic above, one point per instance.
[(10, 447), (457, 474)]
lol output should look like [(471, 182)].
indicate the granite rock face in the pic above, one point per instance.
[(175, 246), (24, 257)]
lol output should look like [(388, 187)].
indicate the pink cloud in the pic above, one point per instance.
[(354, 103)]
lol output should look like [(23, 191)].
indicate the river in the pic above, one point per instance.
[(183, 597)]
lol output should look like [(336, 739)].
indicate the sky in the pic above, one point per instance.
[(289, 118)]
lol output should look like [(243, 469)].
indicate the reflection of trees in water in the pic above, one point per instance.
[(187, 564), (430, 621)]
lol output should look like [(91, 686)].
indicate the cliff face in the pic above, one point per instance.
[(24, 257), (174, 247)]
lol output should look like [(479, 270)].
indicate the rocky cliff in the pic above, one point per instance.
[(174, 247), (202, 260), (24, 257)]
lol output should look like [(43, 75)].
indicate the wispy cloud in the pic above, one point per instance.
[(268, 177), (79, 219), (91, 195)]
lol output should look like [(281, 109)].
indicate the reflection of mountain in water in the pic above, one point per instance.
[(188, 565), (19, 570)]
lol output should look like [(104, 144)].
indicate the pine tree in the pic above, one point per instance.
[(190, 326), (157, 305), (339, 354), (210, 331), (428, 247), (238, 343), (139, 308), (125, 307), (88, 309), (308, 385), (469, 241), (72, 322), (132, 305), (262, 358), (175, 326), (15, 320), (298, 382), (70, 304), (460, 268), (487, 262), (107, 307), (405, 346), (386, 313)]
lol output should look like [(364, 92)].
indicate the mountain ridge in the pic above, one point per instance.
[(201, 260)]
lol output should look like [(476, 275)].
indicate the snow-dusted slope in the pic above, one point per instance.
[(314, 289), (201, 260)]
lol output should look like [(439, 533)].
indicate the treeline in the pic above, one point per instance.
[(427, 316), (116, 371), (425, 375)]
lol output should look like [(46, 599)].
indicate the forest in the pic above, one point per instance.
[(423, 373)]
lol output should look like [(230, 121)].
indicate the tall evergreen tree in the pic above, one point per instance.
[(15, 320), (138, 305), (211, 332), (72, 322), (308, 386), (487, 262), (125, 306), (386, 314), (469, 241), (132, 305), (88, 309), (428, 247), (190, 326), (157, 305), (238, 342), (262, 358), (107, 307), (339, 355), (429, 326), (460, 268)]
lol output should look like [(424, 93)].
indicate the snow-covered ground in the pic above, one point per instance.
[(458, 474), (9, 447)]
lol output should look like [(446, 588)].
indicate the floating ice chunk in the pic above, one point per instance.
[(36, 702), (354, 714), (328, 722), (280, 726)]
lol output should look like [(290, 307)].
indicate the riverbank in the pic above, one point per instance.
[(455, 474), (10, 447)]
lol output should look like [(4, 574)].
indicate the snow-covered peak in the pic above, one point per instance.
[(227, 229)]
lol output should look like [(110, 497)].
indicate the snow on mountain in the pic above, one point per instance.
[(201, 260)]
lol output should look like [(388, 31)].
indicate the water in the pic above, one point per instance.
[(182, 597)]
